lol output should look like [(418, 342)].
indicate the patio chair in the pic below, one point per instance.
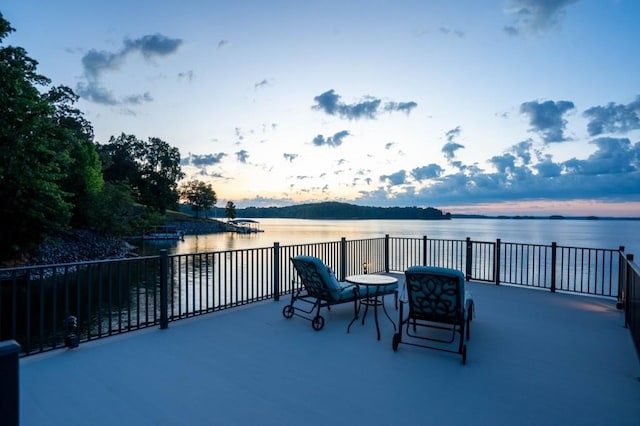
[(436, 299), (320, 288)]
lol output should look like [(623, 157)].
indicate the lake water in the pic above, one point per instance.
[(608, 234)]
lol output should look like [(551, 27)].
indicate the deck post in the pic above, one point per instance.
[(628, 288), (622, 270), (343, 258), (425, 243), (10, 382), (496, 260), (386, 253), (469, 256), (164, 299), (554, 249), (276, 271)]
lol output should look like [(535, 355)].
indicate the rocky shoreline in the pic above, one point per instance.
[(83, 245), (79, 246)]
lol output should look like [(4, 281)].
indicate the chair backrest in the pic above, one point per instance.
[(316, 277), (435, 294)]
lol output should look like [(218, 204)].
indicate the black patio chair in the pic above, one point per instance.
[(320, 288), (439, 305)]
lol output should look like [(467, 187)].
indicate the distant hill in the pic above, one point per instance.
[(335, 210)]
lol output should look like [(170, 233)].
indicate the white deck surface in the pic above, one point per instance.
[(534, 358)]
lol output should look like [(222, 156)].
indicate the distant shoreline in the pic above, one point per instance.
[(550, 217)]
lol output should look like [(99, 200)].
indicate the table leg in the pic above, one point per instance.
[(375, 315)]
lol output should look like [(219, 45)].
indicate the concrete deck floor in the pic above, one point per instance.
[(534, 358)]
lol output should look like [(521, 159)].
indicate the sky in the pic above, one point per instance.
[(488, 107)]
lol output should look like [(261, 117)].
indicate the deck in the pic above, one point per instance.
[(534, 358)]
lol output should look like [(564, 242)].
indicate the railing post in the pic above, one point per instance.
[(497, 250), (622, 271), (554, 249), (386, 253), (10, 382), (627, 298), (164, 299), (276, 272), (425, 243), (343, 258), (469, 262)]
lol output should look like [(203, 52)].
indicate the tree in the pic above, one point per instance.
[(40, 139), (83, 176), (151, 169), (199, 195), (230, 210), (160, 175)]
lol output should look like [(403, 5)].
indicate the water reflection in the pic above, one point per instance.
[(579, 233)]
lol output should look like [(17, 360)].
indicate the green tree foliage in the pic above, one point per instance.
[(230, 210), (151, 169), (83, 178), (47, 159), (199, 195)]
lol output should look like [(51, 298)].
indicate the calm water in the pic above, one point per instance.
[(609, 234)]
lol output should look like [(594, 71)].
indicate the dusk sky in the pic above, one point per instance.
[(476, 106)]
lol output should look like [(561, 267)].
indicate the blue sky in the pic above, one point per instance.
[(493, 106)]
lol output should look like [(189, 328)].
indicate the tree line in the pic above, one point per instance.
[(336, 210), (54, 177)]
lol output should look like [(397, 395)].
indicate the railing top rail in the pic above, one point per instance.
[(75, 264)]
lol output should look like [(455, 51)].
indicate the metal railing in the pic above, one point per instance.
[(630, 299), (116, 296)]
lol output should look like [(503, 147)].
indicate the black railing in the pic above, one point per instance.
[(630, 296), (111, 297)]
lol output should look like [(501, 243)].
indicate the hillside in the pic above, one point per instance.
[(335, 210)]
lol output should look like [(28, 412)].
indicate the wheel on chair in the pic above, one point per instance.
[(287, 311), (317, 323), (395, 342)]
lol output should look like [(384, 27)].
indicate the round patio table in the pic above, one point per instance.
[(374, 298)]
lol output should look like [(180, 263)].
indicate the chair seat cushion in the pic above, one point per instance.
[(370, 290), (345, 292)]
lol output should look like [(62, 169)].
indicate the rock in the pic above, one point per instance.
[(79, 246)]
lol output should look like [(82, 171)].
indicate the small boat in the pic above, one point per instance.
[(164, 233)]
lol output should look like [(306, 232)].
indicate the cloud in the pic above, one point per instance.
[(261, 84), (188, 75), (609, 174), (431, 171), (546, 118), (535, 16), (400, 106), (397, 178), (448, 31), (613, 118), (453, 134), (503, 163), (547, 168), (223, 43), (449, 149), (612, 156), (523, 150), (137, 99), (332, 141), (242, 156), (329, 102), (290, 157), (206, 159), (96, 63)]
